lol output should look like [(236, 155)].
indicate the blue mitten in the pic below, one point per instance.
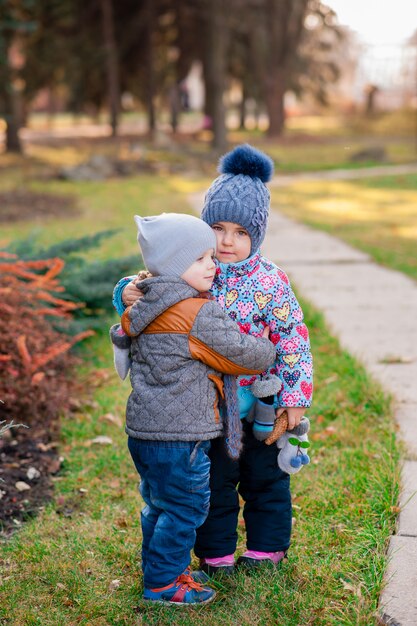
[(263, 411)]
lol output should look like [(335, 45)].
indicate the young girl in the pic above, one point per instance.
[(254, 292)]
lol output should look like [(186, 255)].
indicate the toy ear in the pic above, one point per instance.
[(302, 428), (268, 386)]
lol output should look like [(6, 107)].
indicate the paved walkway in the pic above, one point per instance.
[(353, 292)]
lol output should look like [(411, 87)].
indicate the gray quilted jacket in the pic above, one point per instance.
[(180, 343)]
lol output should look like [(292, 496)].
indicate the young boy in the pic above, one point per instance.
[(254, 292), (179, 342)]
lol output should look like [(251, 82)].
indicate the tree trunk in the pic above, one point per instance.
[(275, 38), (12, 118), (150, 72), (274, 100), (112, 68), (214, 66), (242, 108)]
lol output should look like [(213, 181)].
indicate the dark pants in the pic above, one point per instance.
[(266, 492), (175, 487)]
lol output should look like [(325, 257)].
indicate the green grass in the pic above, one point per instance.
[(376, 215), (102, 205), (59, 568)]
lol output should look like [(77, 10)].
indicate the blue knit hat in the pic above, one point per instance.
[(239, 194)]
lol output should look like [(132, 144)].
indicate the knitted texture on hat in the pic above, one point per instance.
[(239, 194), (171, 242), (233, 423)]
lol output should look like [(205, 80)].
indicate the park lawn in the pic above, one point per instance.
[(78, 562), (61, 568), (330, 153), (103, 205), (377, 215)]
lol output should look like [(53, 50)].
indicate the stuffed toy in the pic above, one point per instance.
[(292, 444)]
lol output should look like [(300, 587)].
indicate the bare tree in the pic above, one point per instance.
[(275, 38), (112, 67), (215, 42), (16, 20)]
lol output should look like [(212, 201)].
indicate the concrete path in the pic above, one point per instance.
[(354, 294)]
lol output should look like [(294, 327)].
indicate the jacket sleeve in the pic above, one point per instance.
[(118, 292), (217, 341), (294, 363), (127, 322)]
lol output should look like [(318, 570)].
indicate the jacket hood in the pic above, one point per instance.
[(159, 293)]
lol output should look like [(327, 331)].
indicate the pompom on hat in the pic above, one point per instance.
[(239, 194)]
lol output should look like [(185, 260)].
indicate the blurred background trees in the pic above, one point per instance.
[(85, 55), (93, 56)]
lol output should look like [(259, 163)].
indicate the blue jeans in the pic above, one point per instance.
[(175, 485)]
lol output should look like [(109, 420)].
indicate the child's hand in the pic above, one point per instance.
[(295, 413), (265, 332), (131, 293)]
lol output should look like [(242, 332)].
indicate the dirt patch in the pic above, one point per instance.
[(28, 460), (22, 204)]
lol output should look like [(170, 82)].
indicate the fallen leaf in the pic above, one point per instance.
[(356, 590), (323, 434), (74, 403), (45, 447), (395, 509), (121, 522), (115, 584), (99, 377), (393, 359), (331, 379), (113, 419), (54, 465), (102, 440)]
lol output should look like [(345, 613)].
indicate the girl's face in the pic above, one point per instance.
[(233, 242)]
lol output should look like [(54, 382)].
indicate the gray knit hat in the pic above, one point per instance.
[(171, 242), (239, 194)]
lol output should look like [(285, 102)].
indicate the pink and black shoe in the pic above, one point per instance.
[(220, 566), (252, 559)]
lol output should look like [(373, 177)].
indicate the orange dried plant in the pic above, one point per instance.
[(34, 357)]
